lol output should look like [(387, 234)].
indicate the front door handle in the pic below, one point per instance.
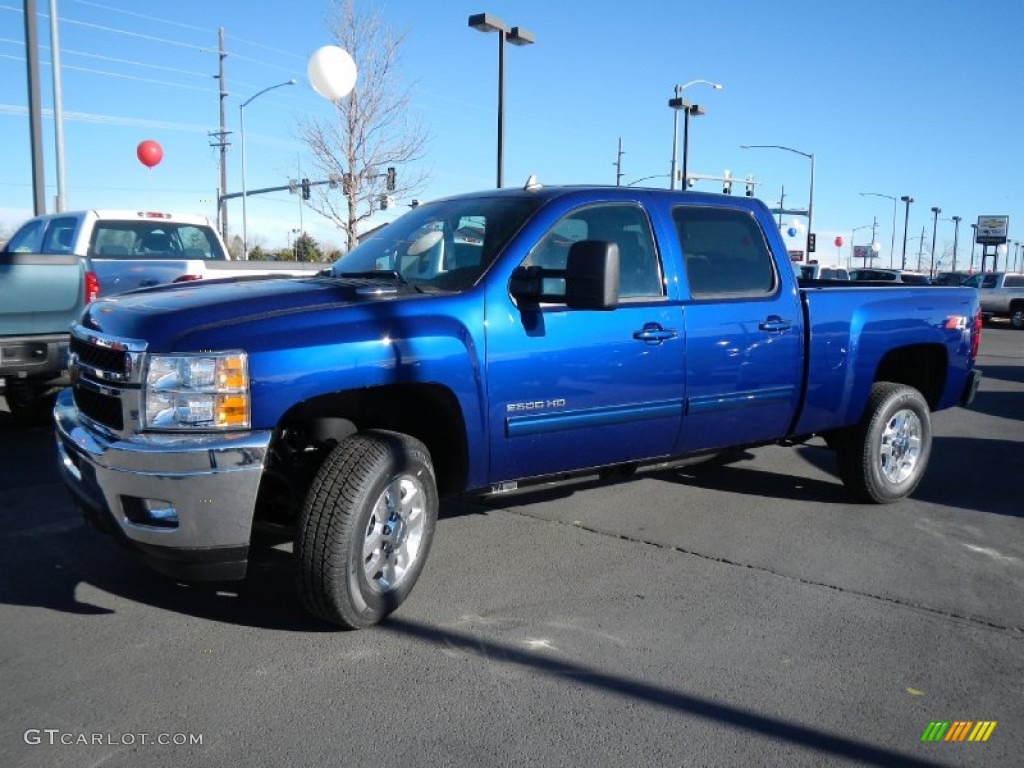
[(654, 333), (775, 324)]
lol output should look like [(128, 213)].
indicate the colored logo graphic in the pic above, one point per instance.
[(958, 730)]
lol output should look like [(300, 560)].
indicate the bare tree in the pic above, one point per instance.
[(372, 129)]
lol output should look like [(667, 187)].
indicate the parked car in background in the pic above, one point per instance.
[(950, 278), (139, 249), (813, 271), (874, 275), (833, 273), (1001, 295)]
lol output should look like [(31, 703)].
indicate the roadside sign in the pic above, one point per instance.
[(992, 230)]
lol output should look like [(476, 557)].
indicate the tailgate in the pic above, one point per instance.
[(40, 293), (126, 274)]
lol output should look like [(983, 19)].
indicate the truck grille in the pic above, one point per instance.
[(112, 360), (103, 409), (105, 375)]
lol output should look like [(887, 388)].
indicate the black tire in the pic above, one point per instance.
[(365, 474), (1017, 317), (884, 458), (30, 401)]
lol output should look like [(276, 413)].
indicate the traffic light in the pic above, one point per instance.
[(305, 189), (727, 183), (390, 185), (750, 186), (810, 242)]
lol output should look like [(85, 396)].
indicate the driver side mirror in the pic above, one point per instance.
[(590, 279)]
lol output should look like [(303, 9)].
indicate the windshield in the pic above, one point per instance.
[(446, 245)]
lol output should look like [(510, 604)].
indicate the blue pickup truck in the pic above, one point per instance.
[(578, 329)]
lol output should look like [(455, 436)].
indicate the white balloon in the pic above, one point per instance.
[(332, 72), (1001, 249)]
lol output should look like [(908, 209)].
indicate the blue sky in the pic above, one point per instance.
[(899, 97)]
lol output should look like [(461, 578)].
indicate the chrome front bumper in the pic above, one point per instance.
[(183, 502)]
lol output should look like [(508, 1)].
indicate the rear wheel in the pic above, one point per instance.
[(883, 459), (366, 528), (1017, 317)]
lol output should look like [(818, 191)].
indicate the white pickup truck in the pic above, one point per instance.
[(138, 249)]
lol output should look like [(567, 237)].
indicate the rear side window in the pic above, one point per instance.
[(60, 235), (153, 240), (1014, 281), (725, 253)]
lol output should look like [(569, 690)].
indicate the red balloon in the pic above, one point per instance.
[(149, 153), (839, 241)]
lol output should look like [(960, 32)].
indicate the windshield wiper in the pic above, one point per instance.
[(386, 274)]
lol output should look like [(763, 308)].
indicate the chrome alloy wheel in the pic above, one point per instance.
[(394, 533), (901, 446)]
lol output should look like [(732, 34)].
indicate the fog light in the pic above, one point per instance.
[(154, 513)]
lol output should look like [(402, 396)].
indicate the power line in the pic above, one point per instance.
[(69, 51), (89, 117), (118, 75), (146, 16)]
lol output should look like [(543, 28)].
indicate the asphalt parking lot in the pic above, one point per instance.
[(731, 614)]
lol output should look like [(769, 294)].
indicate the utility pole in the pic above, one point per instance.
[(782, 204), (222, 142), (35, 110), (618, 165)]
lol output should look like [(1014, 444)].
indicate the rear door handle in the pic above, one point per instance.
[(775, 324), (654, 333)]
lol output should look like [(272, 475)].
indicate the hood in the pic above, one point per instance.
[(168, 317)]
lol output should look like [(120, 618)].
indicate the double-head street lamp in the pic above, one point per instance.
[(677, 104), (241, 126), (892, 240), (486, 22), (935, 224), (906, 217), (810, 196)]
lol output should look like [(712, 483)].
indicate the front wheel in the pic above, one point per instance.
[(365, 528), (883, 459)]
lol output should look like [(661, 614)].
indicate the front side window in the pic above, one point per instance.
[(725, 253), (623, 224), (28, 239)]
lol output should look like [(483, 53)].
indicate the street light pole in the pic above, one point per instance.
[(956, 238), (974, 239), (677, 104), (241, 129), (486, 22), (892, 239), (906, 218), (935, 224), (810, 197)]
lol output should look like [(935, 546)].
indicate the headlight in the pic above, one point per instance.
[(197, 391)]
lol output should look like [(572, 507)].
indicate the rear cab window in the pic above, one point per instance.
[(154, 239)]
